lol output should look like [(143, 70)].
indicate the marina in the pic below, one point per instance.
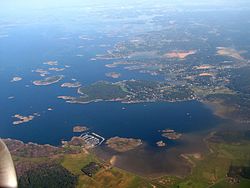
[(92, 139)]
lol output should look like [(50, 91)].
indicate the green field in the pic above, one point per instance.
[(227, 150)]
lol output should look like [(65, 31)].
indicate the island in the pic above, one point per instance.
[(16, 79), (171, 134), (71, 85), (79, 129), (51, 63), (48, 80), (56, 69), (22, 119), (113, 75), (123, 144), (160, 143), (42, 72)]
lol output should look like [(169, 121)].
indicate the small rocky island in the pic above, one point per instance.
[(24, 119), (51, 63), (48, 80), (56, 69), (161, 143), (16, 79), (123, 144), (79, 129), (42, 72), (171, 134)]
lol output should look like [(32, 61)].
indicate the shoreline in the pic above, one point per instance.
[(155, 175), (218, 109)]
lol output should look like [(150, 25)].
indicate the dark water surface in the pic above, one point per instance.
[(28, 47)]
